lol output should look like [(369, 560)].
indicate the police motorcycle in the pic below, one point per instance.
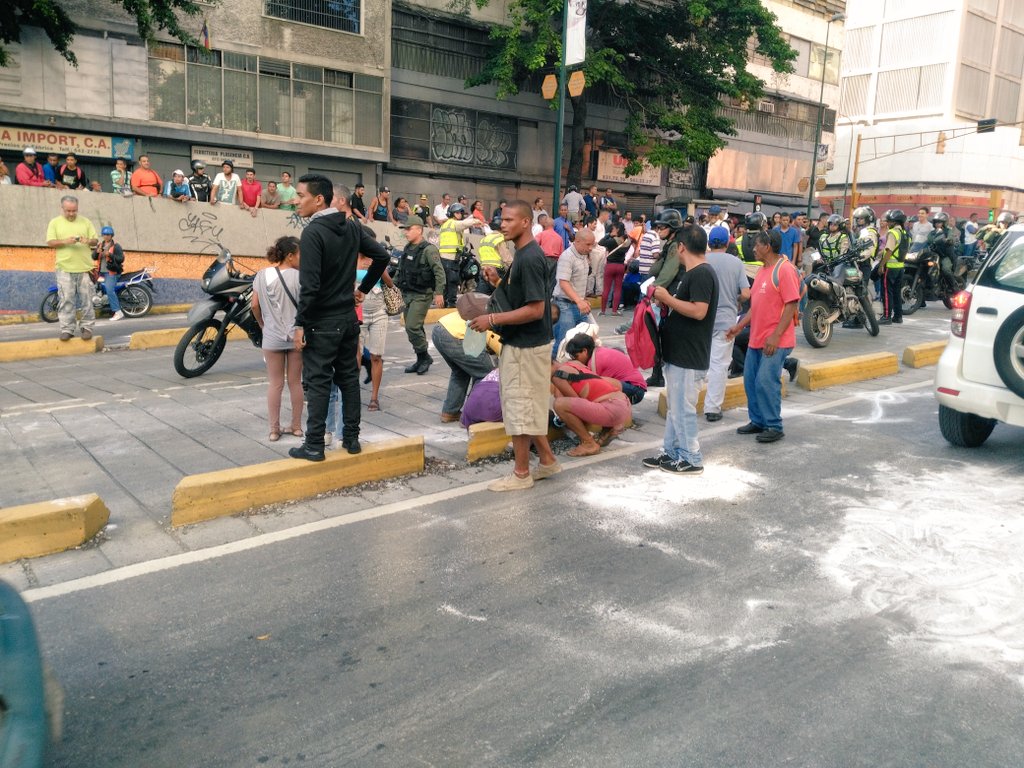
[(230, 296), (469, 269), (836, 292), (924, 279), (395, 255)]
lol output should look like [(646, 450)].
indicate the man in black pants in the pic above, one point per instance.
[(326, 328)]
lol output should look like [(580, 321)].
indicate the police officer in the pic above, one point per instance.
[(421, 277), (492, 247), (896, 246), (199, 182), (940, 242), (450, 245), (754, 223)]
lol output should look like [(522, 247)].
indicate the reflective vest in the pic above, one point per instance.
[(739, 247), (831, 246), (894, 262), (489, 254), (864, 233), (450, 240)]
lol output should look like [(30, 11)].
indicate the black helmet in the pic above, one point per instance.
[(896, 216), (941, 218), (755, 221), (197, 164), (670, 218), (1005, 218), (456, 208), (836, 219), (864, 214)]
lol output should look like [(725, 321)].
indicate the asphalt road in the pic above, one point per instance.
[(850, 596)]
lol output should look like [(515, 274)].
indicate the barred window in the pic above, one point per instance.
[(342, 15)]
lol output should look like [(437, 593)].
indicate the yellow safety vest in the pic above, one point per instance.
[(893, 262), (739, 246), (489, 254), (450, 240)]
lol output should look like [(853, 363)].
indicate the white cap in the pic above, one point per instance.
[(178, 172), (28, 151)]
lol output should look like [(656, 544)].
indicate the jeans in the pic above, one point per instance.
[(75, 291), (761, 380), (682, 386), (330, 356), (466, 370), (569, 316), (110, 287), (721, 355)]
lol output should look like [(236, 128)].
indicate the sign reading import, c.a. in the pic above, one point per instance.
[(46, 140)]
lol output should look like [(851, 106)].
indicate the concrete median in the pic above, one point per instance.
[(920, 355), (13, 351), (169, 337), (847, 370), (33, 530), (229, 491)]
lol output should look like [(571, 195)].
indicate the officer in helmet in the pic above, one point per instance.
[(199, 182), (896, 246), (450, 243), (940, 242), (667, 224), (109, 260), (991, 234), (753, 223)]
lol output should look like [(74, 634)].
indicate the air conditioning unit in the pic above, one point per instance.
[(766, 106)]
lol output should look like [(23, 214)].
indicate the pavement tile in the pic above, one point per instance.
[(66, 566), (15, 574), (213, 532), (138, 541), (339, 504), (286, 517), (431, 483)]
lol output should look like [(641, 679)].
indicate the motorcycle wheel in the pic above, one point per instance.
[(199, 349), (870, 321), (911, 296), (817, 329), (136, 301), (48, 309)]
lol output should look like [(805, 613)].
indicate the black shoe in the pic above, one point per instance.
[(770, 436), (713, 416), (790, 366), (656, 381), (885, 321), (351, 444), (898, 320), (413, 366), (305, 452), (750, 428), (424, 364), (681, 467), (654, 462)]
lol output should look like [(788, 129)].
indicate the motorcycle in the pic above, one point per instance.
[(231, 294), (923, 280), (394, 253), (831, 299), (134, 292), (469, 269)]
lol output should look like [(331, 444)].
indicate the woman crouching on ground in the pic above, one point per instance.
[(585, 398)]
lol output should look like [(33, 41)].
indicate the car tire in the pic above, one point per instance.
[(1008, 352), (964, 430)]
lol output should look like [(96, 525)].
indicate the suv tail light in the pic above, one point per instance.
[(961, 309)]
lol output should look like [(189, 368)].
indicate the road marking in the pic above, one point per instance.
[(51, 409), (135, 570)]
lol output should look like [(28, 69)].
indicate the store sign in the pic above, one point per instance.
[(681, 177), (14, 139), (215, 156), (611, 166)]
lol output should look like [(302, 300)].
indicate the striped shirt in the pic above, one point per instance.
[(650, 251)]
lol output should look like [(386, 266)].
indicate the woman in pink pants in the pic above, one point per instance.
[(617, 245)]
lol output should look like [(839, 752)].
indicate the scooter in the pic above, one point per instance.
[(231, 294), (134, 292), (832, 298)]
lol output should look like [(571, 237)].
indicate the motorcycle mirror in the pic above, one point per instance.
[(224, 256)]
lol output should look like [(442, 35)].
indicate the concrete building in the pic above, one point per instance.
[(917, 78)]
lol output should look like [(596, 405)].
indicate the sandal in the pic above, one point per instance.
[(373, 406), (297, 431), (275, 434), (584, 449), (606, 435)]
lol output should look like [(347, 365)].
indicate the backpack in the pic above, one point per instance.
[(643, 344)]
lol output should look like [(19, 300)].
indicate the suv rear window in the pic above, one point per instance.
[(1006, 268)]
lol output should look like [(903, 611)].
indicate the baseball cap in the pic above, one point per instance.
[(412, 221), (715, 209), (718, 236), (229, 162), (178, 172), (28, 151), (423, 197)]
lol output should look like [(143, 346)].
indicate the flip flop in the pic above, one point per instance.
[(275, 434), (606, 435), (584, 449), (373, 406)]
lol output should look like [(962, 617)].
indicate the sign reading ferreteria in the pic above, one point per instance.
[(215, 156), (611, 166), (50, 141)]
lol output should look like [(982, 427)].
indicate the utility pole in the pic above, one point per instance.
[(821, 116), (560, 127)]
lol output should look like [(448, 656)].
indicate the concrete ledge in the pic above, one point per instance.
[(488, 438), (433, 315), (849, 369), (735, 396), (228, 491), (12, 351), (46, 527), (920, 355), (33, 317), (169, 337)]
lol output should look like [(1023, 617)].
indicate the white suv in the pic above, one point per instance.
[(980, 377)]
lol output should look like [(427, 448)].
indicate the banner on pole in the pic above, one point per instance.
[(576, 32)]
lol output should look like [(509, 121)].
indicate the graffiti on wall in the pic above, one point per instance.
[(469, 137), (201, 229)]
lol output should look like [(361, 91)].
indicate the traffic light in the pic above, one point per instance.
[(991, 215), (987, 126)]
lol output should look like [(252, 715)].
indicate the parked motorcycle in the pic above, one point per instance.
[(923, 280), (469, 269), (134, 291), (231, 294), (832, 299), (394, 253)]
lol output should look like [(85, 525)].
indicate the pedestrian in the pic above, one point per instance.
[(774, 296), (538, 209), (441, 210), (422, 208), (177, 188), (402, 211), (733, 290), (590, 201), (326, 329), (421, 278), (970, 236), (920, 230), (51, 170), (71, 175), (573, 201), (571, 286), (28, 172), (668, 225), (608, 203), (145, 181), (893, 254), (380, 206), (357, 204), (121, 178), (689, 308), (271, 198), (791, 237), (109, 258), (550, 242), (250, 192), (287, 192), (274, 304), (5, 174), (450, 244), (373, 331), (521, 311), (617, 247), (564, 227), (226, 186), (476, 210), (74, 237), (467, 370)]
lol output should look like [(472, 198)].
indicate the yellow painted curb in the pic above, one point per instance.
[(11, 351), (33, 317), (169, 309), (433, 315), (920, 355), (228, 491), (46, 527), (849, 369), (735, 396), (169, 337)]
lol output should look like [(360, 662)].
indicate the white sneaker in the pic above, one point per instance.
[(119, 315), (328, 438), (511, 482)]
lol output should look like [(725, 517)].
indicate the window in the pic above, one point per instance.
[(342, 15), (972, 91), (422, 43), (1005, 98), (829, 61), (447, 134), (859, 48), (982, 36), (1011, 53), (910, 89), (854, 100)]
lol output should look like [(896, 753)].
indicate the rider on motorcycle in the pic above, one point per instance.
[(109, 260), (991, 234), (940, 242), (754, 223)]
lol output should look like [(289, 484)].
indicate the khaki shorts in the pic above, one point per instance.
[(373, 333), (525, 378)]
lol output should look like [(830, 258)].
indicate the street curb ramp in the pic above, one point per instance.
[(920, 355), (814, 376), (34, 530), (13, 351), (230, 491)]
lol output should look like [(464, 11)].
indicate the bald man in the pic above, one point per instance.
[(571, 285)]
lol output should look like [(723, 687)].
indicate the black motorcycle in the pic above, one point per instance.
[(395, 255), (836, 292), (924, 280), (230, 293)]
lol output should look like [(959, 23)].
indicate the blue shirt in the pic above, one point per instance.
[(789, 239), (49, 173), (177, 190), (591, 203), (564, 228)]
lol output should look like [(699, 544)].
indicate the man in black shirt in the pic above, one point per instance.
[(199, 182), (326, 328), (520, 311), (687, 322), (357, 204)]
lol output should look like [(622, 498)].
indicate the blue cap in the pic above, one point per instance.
[(718, 236), (714, 209), (107, 231)]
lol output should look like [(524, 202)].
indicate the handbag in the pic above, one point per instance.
[(394, 304)]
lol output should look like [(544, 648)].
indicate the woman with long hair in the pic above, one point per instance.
[(274, 304), (618, 245), (402, 210)]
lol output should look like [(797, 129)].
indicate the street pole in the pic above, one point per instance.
[(856, 168), (560, 128), (821, 117)]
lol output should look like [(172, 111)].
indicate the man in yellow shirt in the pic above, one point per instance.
[(74, 237)]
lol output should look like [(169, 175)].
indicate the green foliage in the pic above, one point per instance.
[(49, 15), (670, 62)]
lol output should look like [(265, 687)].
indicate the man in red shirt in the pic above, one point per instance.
[(773, 303), (251, 191), (29, 173), (146, 181), (549, 241)]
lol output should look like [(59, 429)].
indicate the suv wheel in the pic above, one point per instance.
[(1008, 352), (964, 430)]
